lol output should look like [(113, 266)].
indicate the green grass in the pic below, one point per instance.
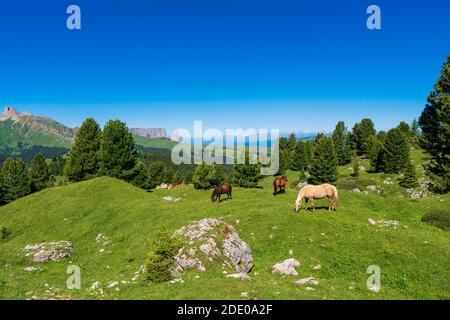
[(414, 258)]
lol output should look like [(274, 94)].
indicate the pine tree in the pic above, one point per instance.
[(200, 178), (246, 175), (394, 155), (435, 125), (342, 143), (57, 166), (39, 173), (141, 177), (360, 133), (356, 169), (83, 160), (216, 172), (178, 177), (158, 173), (15, 180), (409, 179), (284, 155), (298, 157), (118, 154), (373, 148), (324, 162)]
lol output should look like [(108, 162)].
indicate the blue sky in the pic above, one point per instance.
[(292, 65)]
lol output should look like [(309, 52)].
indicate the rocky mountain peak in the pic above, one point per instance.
[(9, 113)]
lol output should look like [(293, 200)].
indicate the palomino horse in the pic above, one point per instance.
[(279, 185), (311, 192), (218, 190)]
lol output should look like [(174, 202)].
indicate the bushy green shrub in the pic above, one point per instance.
[(439, 219), (5, 233), (161, 258)]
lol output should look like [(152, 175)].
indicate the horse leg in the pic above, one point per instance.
[(330, 203), (312, 203)]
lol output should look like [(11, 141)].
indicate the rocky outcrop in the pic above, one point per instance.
[(212, 240), (149, 132), (49, 251), (9, 113)]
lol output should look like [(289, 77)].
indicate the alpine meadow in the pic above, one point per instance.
[(93, 205)]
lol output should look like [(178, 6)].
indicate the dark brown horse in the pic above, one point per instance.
[(218, 190), (279, 185)]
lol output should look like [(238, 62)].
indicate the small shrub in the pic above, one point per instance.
[(161, 258), (439, 219), (5, 233)]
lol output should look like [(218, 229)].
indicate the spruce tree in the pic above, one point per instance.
[(15, 180), (246, 175), (57, 166), (342, 143), (373, 148), (394, 155), (83, 160), (409, 179), (298, 157), (141, 177), (200, 179), (360, 133), (216, 172), (118, 153), (39, 173), (158, 173), (435, 125), (323, 168)]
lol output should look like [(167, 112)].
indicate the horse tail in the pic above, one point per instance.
[(336, 196)]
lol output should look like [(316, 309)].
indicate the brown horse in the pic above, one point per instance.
[(311, 193), (218, 190), (279, 185)]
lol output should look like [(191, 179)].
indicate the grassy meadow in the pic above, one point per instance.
[(414, 258)]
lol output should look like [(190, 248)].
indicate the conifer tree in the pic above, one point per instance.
[(435, 125), (409, 179), (394, 155), (360, 133), (298, 157), (118, 153), (246, 175), (323, 168), (342, 143), (39, 173), (200, 179), (83, 160), (15, 180)]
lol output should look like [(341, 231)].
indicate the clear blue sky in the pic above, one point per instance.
[(292, 65)]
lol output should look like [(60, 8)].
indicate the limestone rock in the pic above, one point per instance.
[(52, 251), (287, 267), (210, 240)]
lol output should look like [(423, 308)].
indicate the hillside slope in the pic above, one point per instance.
[(414, 258)]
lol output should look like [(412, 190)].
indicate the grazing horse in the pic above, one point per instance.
[(218, 190), (279, 185), (311, 192)]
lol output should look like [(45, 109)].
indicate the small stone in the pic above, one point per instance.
[(242, 276)]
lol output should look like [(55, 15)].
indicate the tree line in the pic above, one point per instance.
[(112, 152)]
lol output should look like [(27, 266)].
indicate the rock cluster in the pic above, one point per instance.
[(211, 240), (51, 251)]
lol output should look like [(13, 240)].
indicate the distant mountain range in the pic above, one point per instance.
[(24, 134)]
